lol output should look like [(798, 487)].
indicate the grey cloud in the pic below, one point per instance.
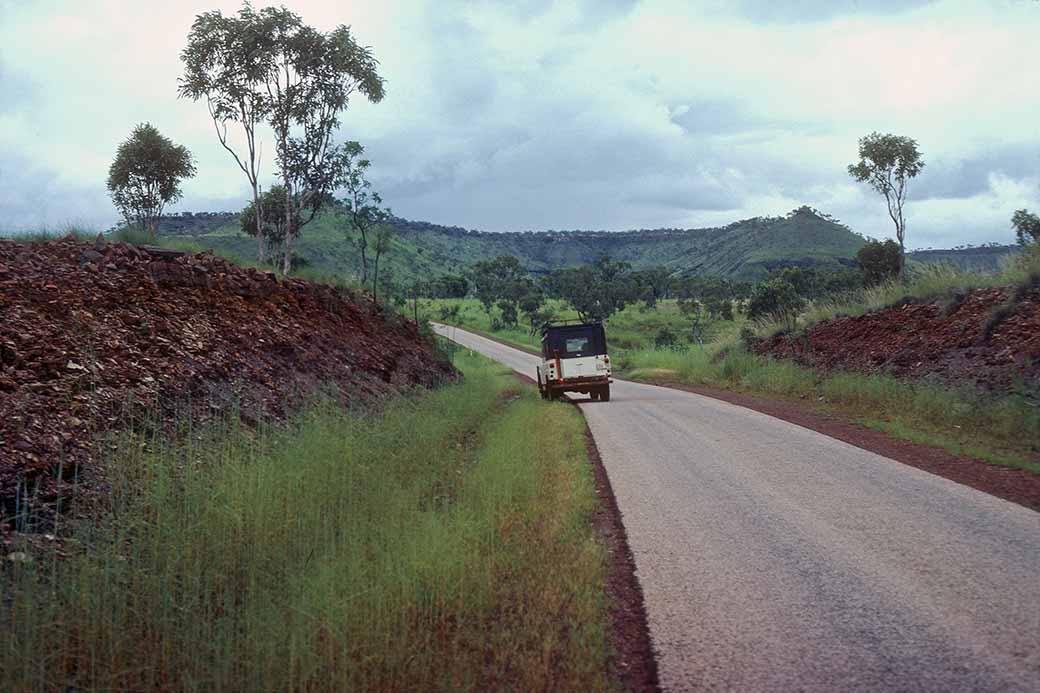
[(702, 116), (691, 194), (803, 11), (17, 91), (968, 177), (34, 198), (591, 12)]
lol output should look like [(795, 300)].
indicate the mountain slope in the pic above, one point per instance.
[(742, 250)]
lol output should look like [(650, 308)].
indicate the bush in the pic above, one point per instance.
[(450, 312), (879, 261), (666, 339), (776, 299)]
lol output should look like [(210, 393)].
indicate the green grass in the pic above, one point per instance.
[(435, 544), (49, 234)]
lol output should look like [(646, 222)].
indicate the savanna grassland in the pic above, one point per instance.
[(999, 425)]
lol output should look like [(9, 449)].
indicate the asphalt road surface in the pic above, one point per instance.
[(773, 557)]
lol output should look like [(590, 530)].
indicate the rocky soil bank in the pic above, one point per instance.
[(986, 338), (93, 333)]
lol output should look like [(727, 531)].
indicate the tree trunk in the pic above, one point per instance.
[(290, 230), (901, 234), (375, 279), (259, 226), (364, 256), (287, 257)]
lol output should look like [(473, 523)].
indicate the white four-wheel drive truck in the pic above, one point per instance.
[(574, 359)]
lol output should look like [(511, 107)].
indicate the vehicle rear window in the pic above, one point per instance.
[(576, 345)]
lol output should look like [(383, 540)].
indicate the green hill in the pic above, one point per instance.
[(744, 250)]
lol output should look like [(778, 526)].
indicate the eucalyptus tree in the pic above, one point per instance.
[(309, 77), (887, 163), (146, 175), (225, 65), (363, 206)]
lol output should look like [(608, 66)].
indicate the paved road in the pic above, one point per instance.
[(773, 557)]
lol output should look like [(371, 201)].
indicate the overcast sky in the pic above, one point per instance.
[(601, 114)]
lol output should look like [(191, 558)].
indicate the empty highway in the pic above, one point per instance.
[(773, 557)]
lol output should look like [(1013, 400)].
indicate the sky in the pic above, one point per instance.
[(591, 114)]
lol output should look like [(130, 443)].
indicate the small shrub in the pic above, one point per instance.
[(134, 235), (997, 316), (748, 337), (666, 339), (450, 312)]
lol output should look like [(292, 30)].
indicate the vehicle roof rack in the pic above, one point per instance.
[(567, 322)]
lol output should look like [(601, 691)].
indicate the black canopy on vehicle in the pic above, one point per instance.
[(573, 341)]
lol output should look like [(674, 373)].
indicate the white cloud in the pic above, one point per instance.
[(564, 114)]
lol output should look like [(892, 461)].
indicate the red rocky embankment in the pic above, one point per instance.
[(89, 332), (986, 338)]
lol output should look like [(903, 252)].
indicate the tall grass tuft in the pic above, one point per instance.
[(81, 232)]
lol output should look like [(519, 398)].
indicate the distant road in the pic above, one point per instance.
[(773, 557)]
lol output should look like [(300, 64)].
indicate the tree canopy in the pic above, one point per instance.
[(309, 77), (273, 215), (775, 298), (146, 175), (222, 64), (1027, 227), (363, 206), (595, 291), (879, 261), (267, 65)]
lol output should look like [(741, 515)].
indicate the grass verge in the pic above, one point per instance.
[(997, 430), (436, 544), (927, 283)]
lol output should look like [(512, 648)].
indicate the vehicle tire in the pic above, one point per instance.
[(604, 393), (594, 395)]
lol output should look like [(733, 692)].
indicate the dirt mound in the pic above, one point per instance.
[(90, 332), (987, 338)]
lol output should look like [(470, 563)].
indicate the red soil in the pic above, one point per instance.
[(91, 332), (944, 340)]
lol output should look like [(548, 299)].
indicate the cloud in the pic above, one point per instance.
[(957, 177), (820, 10), (34, 197), (589, 114)]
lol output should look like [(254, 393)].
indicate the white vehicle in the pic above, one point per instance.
[(574, 359)]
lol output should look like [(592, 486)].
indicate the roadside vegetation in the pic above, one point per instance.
[(1000, 430), (432, 544), (689, 341)]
